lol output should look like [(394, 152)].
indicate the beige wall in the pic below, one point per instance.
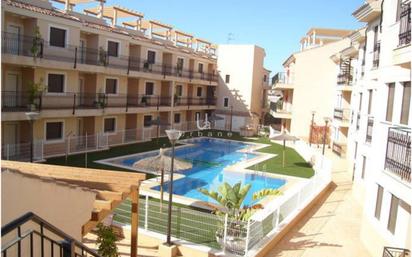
[(314, 86), (66, 207)]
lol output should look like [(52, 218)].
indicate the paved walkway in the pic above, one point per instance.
[(332, 227)]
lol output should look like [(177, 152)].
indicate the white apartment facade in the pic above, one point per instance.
[(379, 134), (243, 87)]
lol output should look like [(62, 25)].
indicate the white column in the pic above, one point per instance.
[(101, 6), (66, 5), (114, 21), (314, 37)]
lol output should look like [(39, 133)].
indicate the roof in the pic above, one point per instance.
[(111, 187), (108, 12), (330, 32)]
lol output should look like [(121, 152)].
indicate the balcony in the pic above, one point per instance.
[(19, 45), (401, 54), (282, 80), (339, 148), (398, 153), (345, 77), (368, 11), (342, 115), (23, 102), (395, 252), (278, 110)]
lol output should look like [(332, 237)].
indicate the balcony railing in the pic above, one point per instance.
[(22, 101), (341, 114), (376, 55), (405, 25), (395, 252), (282, 77), (345, 79), (398, 152), (339, 149), (369, 130), (17, 44)]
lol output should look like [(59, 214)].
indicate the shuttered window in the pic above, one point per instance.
[(406, 102), (54, 130), (57, 37), (55, 83)]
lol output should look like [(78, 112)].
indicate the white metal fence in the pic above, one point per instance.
[(86, 143)]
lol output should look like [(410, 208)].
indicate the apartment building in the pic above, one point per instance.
[(107, 76), (306, 82), (349, 69), (243, 87), (379, 139)]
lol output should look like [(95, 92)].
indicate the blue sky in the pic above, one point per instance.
[(276, 25)]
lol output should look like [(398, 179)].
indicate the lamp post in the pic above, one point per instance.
[(173, 136), (231, 117), (31, 116), (311, 128), (324, 134)]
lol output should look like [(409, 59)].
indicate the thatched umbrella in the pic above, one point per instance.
[(161, 163), (285, 137)]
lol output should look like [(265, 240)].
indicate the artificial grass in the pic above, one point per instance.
[(295, 164)]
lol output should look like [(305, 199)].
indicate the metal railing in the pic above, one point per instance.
[(341, 114), (339, 149), (29, 46), (345, 78), (13, 101), (398, 152), (30, 235), (405, 24), (395, 252), (282, 77)]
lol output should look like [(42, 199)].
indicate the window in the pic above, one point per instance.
[(54, 130), (363, 166), (360, 102), (406, 102), (57, 37), (197, 116), (199, 92), (265, 78), (393, 213), (109, 125), (177, 117), (112, 48), (370, 91), (398, 9), (200, 68), (149, 88), (151, 57), (226, 102), (111, 86), (55, 83), (227, 79), (356, 151), (179, 90), (378, 205), (389, 104), (147, 121)]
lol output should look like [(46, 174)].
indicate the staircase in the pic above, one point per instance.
[(30, 235), (395, 252)]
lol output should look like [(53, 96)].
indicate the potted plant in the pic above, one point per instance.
[(101, 100), (106, 241), (102, 56), (37, 43), (176, 99), (144, 100), (34, 92), (230, 201)]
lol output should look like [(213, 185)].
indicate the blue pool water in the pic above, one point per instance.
[(209, 158)]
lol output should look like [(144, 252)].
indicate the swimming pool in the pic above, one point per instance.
[(210, 157)]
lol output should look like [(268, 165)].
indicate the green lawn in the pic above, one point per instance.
[(295, 164)]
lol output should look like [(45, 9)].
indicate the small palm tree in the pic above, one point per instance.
[(230, 198)]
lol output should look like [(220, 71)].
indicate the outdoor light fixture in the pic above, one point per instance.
[(31, 116), (173, 135), (324, 134), (311, 128)]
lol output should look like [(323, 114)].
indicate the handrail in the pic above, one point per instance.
[(401, 252), (30, 216)]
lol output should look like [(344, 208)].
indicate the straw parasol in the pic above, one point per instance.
[(285, 137), (161, 163)]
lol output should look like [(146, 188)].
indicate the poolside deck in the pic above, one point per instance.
[(332, 227)]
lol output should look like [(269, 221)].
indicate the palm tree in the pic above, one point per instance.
[(230, 200)]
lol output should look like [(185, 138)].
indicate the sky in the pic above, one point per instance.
[(275, 25)]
